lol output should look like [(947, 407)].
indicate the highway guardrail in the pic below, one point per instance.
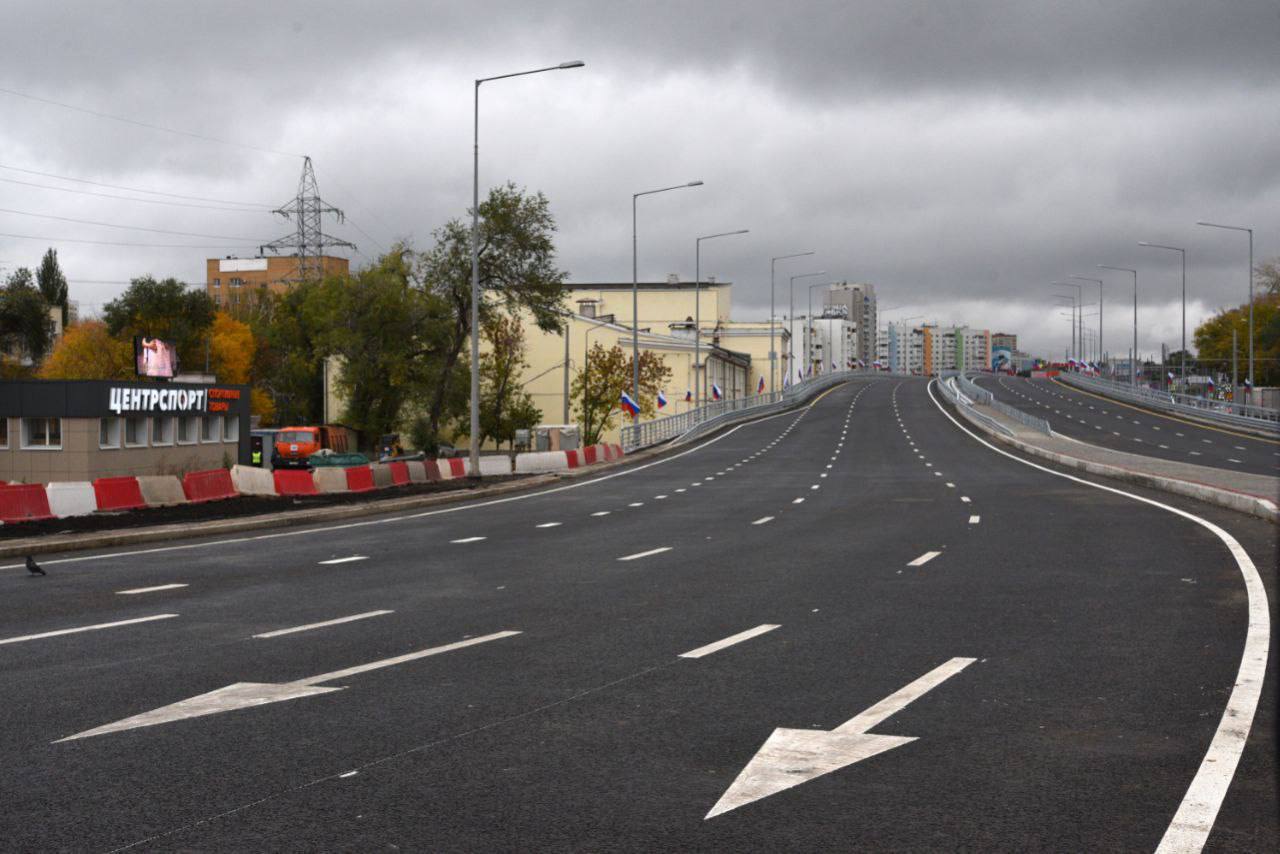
[(1221, 412)]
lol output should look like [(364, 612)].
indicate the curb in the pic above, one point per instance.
[(1241, 502)]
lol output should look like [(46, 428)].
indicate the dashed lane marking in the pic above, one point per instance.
[(325, 624), (337, 560), (763, 520), (468, 540), (703, 651), (649, 553), (135, 591), (924, 558), (93, 628)]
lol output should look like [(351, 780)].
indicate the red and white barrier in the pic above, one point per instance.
[(213, 485), (118, 493), (161, 490), (71, 499), (23, 502)]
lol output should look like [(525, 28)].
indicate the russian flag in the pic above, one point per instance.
[(760, 386), (662, 400), (1247, 383), (716, 393), (630, 405), (688, 396), (1170, 374), (1212, 384)]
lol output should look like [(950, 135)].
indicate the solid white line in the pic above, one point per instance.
[(548, 525), (468, 540), (1191, 824), (638, 555), (86, 628), (924, 558), (342, 560), (138, 590), (763, 520), (729, 641), (973, 520), (367, 614)]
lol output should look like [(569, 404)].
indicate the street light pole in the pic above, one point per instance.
[(1072, 301), (1250, 230), (1098, 282), (635, 293), (773, 354), (1183, 253), (1077, 326), (791, 316), (1133, 359), (697, 312), (475, 254)]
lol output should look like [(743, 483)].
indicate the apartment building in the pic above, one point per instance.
[(234, 283)]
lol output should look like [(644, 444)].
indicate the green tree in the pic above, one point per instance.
[(25, 324), (1214, 339), (287, 365), (165, 309), (53, 284), (505, 407), (517, 271), (597, 388)]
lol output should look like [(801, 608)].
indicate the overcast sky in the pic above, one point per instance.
[(958, 155)]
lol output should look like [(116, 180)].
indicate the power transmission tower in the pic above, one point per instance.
[(309, 241)]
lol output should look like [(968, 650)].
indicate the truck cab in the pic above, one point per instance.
[(293, 445)]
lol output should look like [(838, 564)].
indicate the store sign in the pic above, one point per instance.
[(157, 400)]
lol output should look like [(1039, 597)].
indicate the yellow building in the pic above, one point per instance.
[(235, 282)]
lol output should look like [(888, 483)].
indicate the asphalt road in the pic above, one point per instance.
[(1102, 421), (1061, 655)]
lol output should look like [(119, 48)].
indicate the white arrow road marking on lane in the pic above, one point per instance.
[(336, 622), (135, 591), (763, 520), (468, 540), (924, 558), (243, 695), (790, 757), (79, 629), (639, 555), (729, 641), (342, 560)]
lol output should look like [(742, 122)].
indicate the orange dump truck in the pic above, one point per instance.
[(295, 444)]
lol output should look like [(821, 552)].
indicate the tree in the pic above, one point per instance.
[(505, 407), (25, 325), (1214, 338), (53, 284), (87, 351), (1267, 276), (597, 388), (517, 271), (287, 358), (231, 349), (165, 309)]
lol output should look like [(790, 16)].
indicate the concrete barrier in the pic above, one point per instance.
[(23, 502), (432, 468), (294, 482), (399, 473), (118, 493), (250, 480), (71, 499), (495, 465), (382, 475), (212, 485), (360, 479), (330, 479), (536, 462), (451, 468), (574, 458), (161, 490), (417, 470)]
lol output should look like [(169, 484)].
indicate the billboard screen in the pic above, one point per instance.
[(154, 357)]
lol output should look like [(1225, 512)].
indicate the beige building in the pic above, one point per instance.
[(235, 282)]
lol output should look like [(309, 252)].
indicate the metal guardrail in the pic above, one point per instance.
[(981, 396), (695, 422), (1217, 411), (952, 388)]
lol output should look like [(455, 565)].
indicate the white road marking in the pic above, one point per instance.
[(973, 520), (815, 486), (548, 525), (348, 774), (92, 628), (343, 560), (135, 591), (703, 651), (636, 504), (965, 499), (659, 497), (924, 558), (1230, 460), (798, 501), (763, 520), (340, 620), (601, 513), (468, 540), (650, 552), (951, 486), (681, 489)]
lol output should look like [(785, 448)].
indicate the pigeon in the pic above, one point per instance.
[(33, 567)]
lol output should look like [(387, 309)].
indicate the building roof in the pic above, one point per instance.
[(644, 286)]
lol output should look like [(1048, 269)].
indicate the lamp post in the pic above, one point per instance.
[(697, 311), (1098, 282), (1250, 230), (773, 355), (635, 292), (1077, 311), (1183, 253), (475, 254), (791, 316), (1072, 301), (1133, 359)]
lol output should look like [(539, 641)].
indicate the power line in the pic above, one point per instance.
[(128, 227), (140, 245), (131, 199), (147, 125), (135, 189)]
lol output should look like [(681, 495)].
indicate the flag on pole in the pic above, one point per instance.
[(688, 396), (662, 400), (716, 393), (760, 385), (1211, 383), (630, 405), (1171, 375)]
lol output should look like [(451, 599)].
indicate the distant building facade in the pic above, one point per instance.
[(235, 283), (859, 300)]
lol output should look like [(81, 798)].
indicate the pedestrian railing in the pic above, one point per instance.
[(1206, 409)]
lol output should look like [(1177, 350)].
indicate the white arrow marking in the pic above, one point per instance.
[(793, 756), (243, 695)]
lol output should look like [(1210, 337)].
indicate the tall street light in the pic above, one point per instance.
[(791, 315), (1183, 253), (635, 293), (1069, 300), (773, 354), (475, 256), (1133, 360), (1098, 282), (1077, 327), (1250, 230), (697, 311)]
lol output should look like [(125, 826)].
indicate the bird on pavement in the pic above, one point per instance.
[(34, 568)]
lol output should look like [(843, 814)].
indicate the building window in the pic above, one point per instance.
[(231, 428), (210, 428), (217, 299), (187, 428), (135, 431), (237, 282), (161, 430), (4, 432), (42, 433), (217, 283), (108, 432)]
